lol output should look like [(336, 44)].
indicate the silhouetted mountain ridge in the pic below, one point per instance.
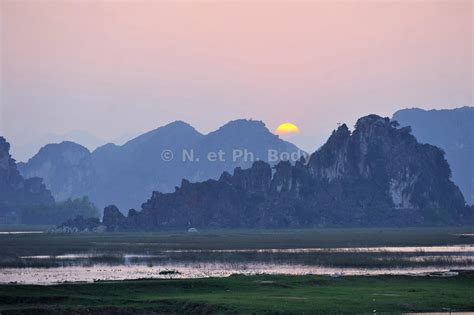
[(377, 175), (127, 174)]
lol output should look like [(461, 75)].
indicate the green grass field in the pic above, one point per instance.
[(247, 294)]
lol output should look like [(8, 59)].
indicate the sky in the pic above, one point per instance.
[(115, 68)]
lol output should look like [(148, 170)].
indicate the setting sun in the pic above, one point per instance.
[(287, 128)]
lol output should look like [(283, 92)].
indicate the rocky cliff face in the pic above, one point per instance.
[(14, 189), (378, 175), (65, 167), (388, 159), (453, 131)]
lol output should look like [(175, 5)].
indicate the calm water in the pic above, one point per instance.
[(190, 270), (468, 249), (20, 232), (93, 266)]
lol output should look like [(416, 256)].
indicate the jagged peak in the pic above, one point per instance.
[(338, 135), (341, 131), (283, 165), (343, 128), (225, 176), (4, 145), (255, 165), (237, 170), (185, 183), (370, 120)]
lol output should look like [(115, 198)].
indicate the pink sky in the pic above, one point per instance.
[(115, 67)]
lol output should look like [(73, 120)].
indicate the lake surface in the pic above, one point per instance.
[(36, 257), (166, 264), (381, 249), (192, 270), (20, 232)]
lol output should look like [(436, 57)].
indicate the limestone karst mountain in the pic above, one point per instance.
[(376, 175), (126, 175), (15, 191), (453, 131)]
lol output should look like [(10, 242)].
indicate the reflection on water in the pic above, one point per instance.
[(390, 249), (92, 266), (465, 250), (20, 232), (188, 270), (89, 256)]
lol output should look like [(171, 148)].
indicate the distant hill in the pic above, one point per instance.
[(65, 167), (453, 131), (24, 152), (27, 201), (376, 175), (127, 174), (15, 191)]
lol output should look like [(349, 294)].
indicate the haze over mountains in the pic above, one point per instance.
[(126, 175), (451, 130), (22, 153), (27, 201), (14, 189), (376, 166), (376, 175)]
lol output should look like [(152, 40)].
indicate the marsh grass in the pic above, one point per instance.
[(177, 247), (354, 259)]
